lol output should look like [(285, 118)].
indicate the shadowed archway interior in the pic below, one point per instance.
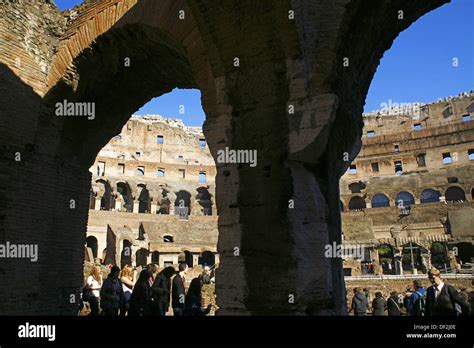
[(282, 62)]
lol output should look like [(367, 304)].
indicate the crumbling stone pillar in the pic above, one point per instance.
[(273, 81)]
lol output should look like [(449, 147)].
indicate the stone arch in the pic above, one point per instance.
[(380, 200), (289, 62), (144, 201), (183, 200), (141, 257), (93, 244), (357, 203), (164, 203), (155, 257), (455, 194), (356, 187), (107, 200), (204, 199), (406, 197), (125, 193), (429, 196)]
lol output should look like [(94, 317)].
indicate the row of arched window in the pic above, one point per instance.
[(380, 200)]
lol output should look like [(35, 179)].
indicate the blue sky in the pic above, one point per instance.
[(418, 66)]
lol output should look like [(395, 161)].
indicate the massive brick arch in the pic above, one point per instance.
[(284, 64)]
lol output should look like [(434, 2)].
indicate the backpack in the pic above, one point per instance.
[(420, 304)]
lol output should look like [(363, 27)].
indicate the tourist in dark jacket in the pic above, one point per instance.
[(111, 293), (442, 298), (415, 303), (140, 301), (393, 308), (161, 291), (360, 304), (378, 304), (193, 305), (178, 293)]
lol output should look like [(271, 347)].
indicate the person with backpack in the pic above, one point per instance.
[(393, 308), (417, 301), (378, 304), (111, 294), (443, 299), (360, 305)]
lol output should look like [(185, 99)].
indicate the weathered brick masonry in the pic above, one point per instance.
[(80, 57)]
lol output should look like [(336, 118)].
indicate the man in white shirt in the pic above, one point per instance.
[(443, 299)]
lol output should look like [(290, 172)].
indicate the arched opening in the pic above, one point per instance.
[(386, 259), (188, 258), (356, 187), (207, 258), (155, 257), (141, 257), (455, 194), (160, 60), (126, 197), (204, 199), (439, 256), (357, 203), (106, 202), (164, 203), (465, 252), (429, 196), (126, 253), (93, 244), (411, 257), (405, 198), (143, 199), (379, 200), (182, 205)]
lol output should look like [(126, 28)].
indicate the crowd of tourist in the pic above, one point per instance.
[(438, 299), (144, 292)]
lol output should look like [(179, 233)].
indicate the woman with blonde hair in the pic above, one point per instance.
[(94, 282), (128, 277)]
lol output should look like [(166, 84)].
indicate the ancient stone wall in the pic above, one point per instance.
[(282, 59)]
